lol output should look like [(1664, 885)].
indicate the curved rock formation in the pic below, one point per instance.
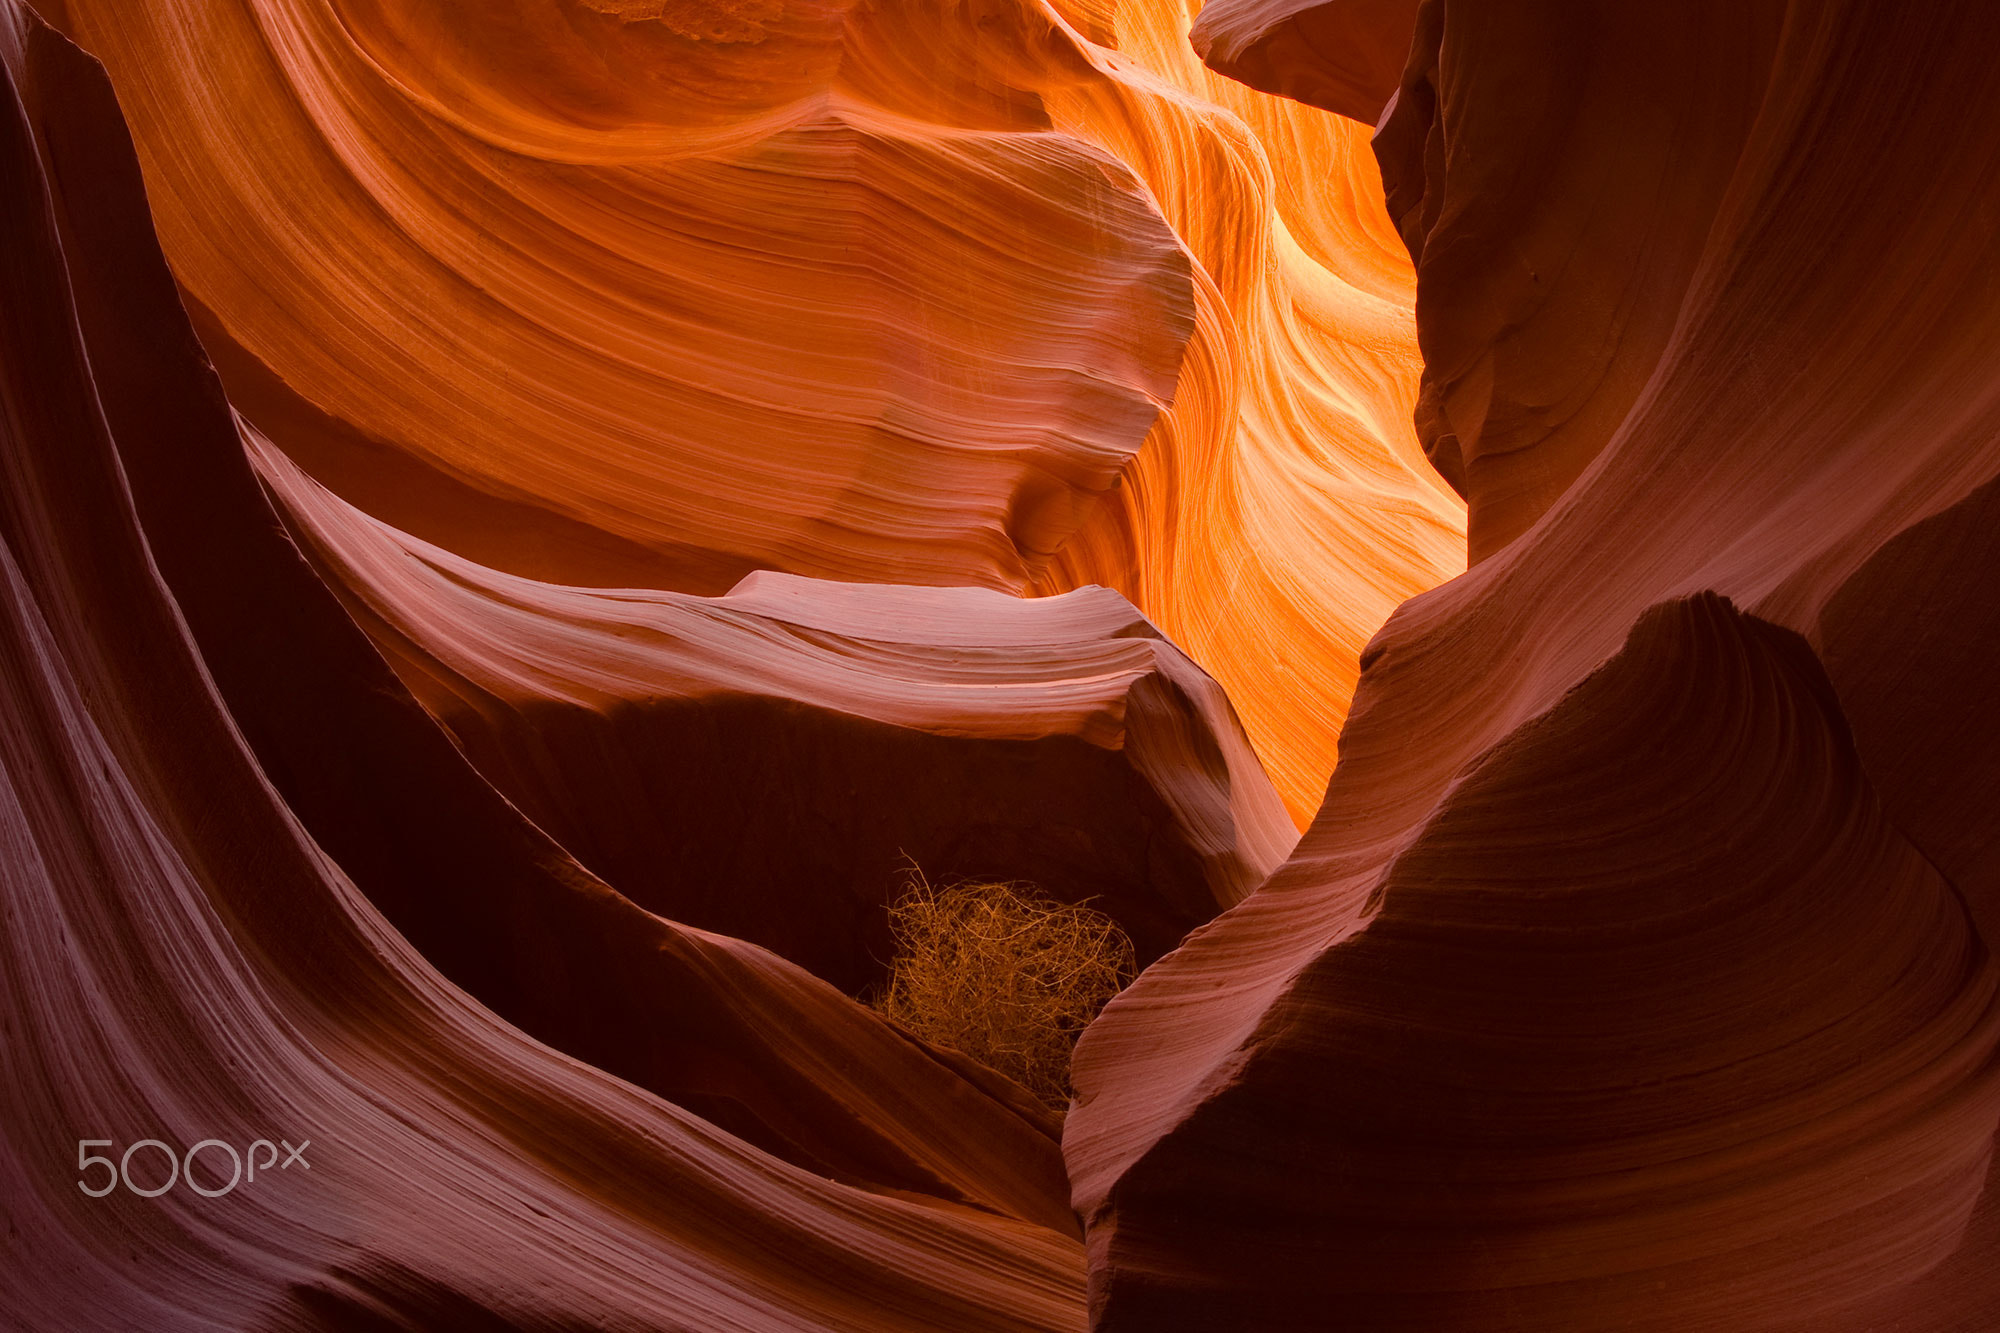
[(599, 295), (184, 961), (485, 896), (1729, 1067), (602, 332), (1818, 383), (770, 763), (1280, 509)]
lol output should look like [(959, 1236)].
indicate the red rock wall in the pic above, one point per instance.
[(1793, 407)]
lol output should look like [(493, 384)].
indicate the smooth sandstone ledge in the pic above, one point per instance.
[(1728, 1063), (770, 764)]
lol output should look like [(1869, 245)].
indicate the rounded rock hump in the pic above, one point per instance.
[(1657, 1001)]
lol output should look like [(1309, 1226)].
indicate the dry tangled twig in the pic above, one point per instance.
[(1004, 975)]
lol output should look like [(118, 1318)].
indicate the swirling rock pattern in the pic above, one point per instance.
[(594, 295), (682, 279), (1732, 1067), (1280, 507), (486, 897)]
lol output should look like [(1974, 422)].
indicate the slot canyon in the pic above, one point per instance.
[(1465, 532)]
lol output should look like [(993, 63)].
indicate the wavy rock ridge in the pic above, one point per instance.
[(1731, 1067)]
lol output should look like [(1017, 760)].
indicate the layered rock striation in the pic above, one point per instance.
[(986, 294)]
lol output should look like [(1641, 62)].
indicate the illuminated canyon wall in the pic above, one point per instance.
[(894, 292), (521, 520)]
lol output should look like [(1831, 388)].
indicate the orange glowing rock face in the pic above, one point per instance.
[(1281, 508), (661, 294), (584, 272)]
